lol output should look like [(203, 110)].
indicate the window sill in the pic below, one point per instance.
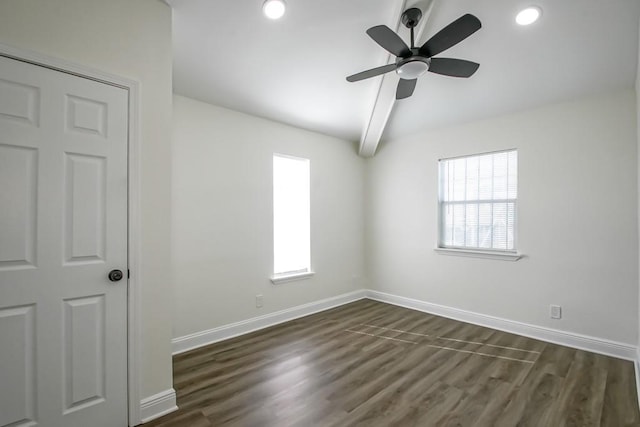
[(503, 256), (284, 278)]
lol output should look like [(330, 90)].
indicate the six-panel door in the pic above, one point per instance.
[(63, 227)]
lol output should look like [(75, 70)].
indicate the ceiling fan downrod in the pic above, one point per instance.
[(410, 19)]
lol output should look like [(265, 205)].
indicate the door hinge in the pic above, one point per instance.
[(128, 274)]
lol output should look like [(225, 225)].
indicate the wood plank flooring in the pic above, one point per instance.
[(373, 364)]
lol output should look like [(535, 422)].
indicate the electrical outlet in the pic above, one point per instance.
[(555, 311), (259, 301)]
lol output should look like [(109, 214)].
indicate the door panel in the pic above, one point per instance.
[(19, 102), (17, 366), (84, 371), (85, 205), (18, 175), (63, 227), (86, 116)]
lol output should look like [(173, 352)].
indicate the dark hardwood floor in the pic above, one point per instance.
[(374, 364)]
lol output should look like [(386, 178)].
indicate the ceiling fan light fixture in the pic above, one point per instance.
[(529, 15), (412, 69), (274, 9)]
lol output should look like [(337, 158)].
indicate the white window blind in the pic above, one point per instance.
[(291, 215), (478, 201)]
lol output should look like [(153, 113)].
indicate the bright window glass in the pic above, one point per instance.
[(291, 215), (478, 201)]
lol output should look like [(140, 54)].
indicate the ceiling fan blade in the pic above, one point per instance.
[(405, 88), (389, 40), (453, 67), (372, 72), (451, 35)]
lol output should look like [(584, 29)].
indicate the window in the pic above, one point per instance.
[(478, 202), (291, 217)]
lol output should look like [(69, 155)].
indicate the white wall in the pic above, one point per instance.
[(577, 208), (222, 216), (131, 39)]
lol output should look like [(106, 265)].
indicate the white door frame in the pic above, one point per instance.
[(133, 200)]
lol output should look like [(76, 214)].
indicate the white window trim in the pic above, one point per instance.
[(498, 255), (277, 279), (291, 276)]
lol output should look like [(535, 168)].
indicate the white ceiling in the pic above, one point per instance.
[(293, 70)]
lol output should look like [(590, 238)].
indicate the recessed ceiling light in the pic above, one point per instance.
[(274, 9), (529, 15)]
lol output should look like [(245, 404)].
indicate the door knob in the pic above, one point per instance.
[(115, 275)]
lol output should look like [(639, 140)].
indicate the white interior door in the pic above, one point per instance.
[(63, 228)]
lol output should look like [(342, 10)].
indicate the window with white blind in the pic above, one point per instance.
[(478, 202), (291, 217)]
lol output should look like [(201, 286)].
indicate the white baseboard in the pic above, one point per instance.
[(199, 339), (160, 404), (637, 366), (569, 339)]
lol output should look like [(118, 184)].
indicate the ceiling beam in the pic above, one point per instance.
[(386, 96)]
